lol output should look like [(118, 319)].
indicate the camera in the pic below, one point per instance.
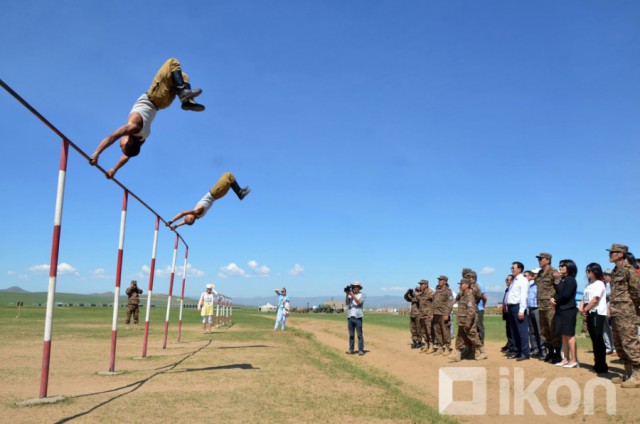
[(410, 291), (348, 288)]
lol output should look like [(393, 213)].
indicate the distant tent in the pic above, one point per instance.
[(268, 307)]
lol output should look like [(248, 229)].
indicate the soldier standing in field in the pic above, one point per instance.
[(425, 306), (625, 299), (442, 305), (546, 280), (467, 330), (133, 305), (414, 316)]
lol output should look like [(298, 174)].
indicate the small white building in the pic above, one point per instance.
[(268, 307)]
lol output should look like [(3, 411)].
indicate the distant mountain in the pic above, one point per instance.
[(14, 289), (109, 293)]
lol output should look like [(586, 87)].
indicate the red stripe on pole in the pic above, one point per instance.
[(44, 380), (112, 360)]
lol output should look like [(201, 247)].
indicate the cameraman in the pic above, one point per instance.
[(133, 305), (411, 296), (355, 307)]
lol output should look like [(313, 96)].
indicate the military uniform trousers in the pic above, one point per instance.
[(426, 328), (468, 338), (162, 91), (414, 326), (442, 330), (547, 327), (133, 309), (222, 186), (625, 339)]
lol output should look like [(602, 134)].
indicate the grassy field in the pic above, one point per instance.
[(259, 376)]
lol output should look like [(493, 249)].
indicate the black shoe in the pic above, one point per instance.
[(183, 88), (522, 358), (242, 192), (361, 353), (550, 357), (513, 356), (190, 104), (349, 352), (414, 345)]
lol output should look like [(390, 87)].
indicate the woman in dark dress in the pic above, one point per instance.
[(566, 312)]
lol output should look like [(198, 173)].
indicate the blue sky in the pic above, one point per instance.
[(383, 141)]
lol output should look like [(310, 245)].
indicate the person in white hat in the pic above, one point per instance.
[(283, 309), (205, 307)]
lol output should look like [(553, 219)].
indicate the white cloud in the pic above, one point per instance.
[(262, 271), (487, 270), (63, 269), (22, 277), (100, 274), (166, 272), (296, 270), (393, 289), (232, 270), (39, 268)]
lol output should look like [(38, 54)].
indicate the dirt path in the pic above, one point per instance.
[(388, 349)]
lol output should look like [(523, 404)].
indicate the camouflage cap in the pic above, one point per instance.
[(544, 255), (472, 274), (443, 277), (618, 248), (424, 282), (466, 271), (465, 281)]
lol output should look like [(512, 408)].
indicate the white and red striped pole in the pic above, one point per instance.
[(218, 312), (53, 270), (173, 273), (230, 312), (116, 295), (184, 279), (224, 312), (151, 275)]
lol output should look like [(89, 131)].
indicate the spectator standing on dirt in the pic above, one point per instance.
[(283, 309), (205, 307), (442, 307), (354, 300), (133, 305)]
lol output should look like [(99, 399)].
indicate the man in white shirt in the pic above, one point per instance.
[(355, 311), (518, 315), (168, 83), (227, 181)]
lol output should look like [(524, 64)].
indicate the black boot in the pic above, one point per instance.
[(550, 353), (185, 93), (240, 192)]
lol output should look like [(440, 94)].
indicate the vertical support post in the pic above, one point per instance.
[(53, 270), (116, 295), (184, 279), (230, 312), (173, 274), (150, 290), (218, 312)]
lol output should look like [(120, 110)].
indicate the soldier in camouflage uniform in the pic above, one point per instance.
[(414, 316), (425, 298), (467, 330), (442, 305), (546, 280), (469, 274), (133, 306), (623, 308)]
